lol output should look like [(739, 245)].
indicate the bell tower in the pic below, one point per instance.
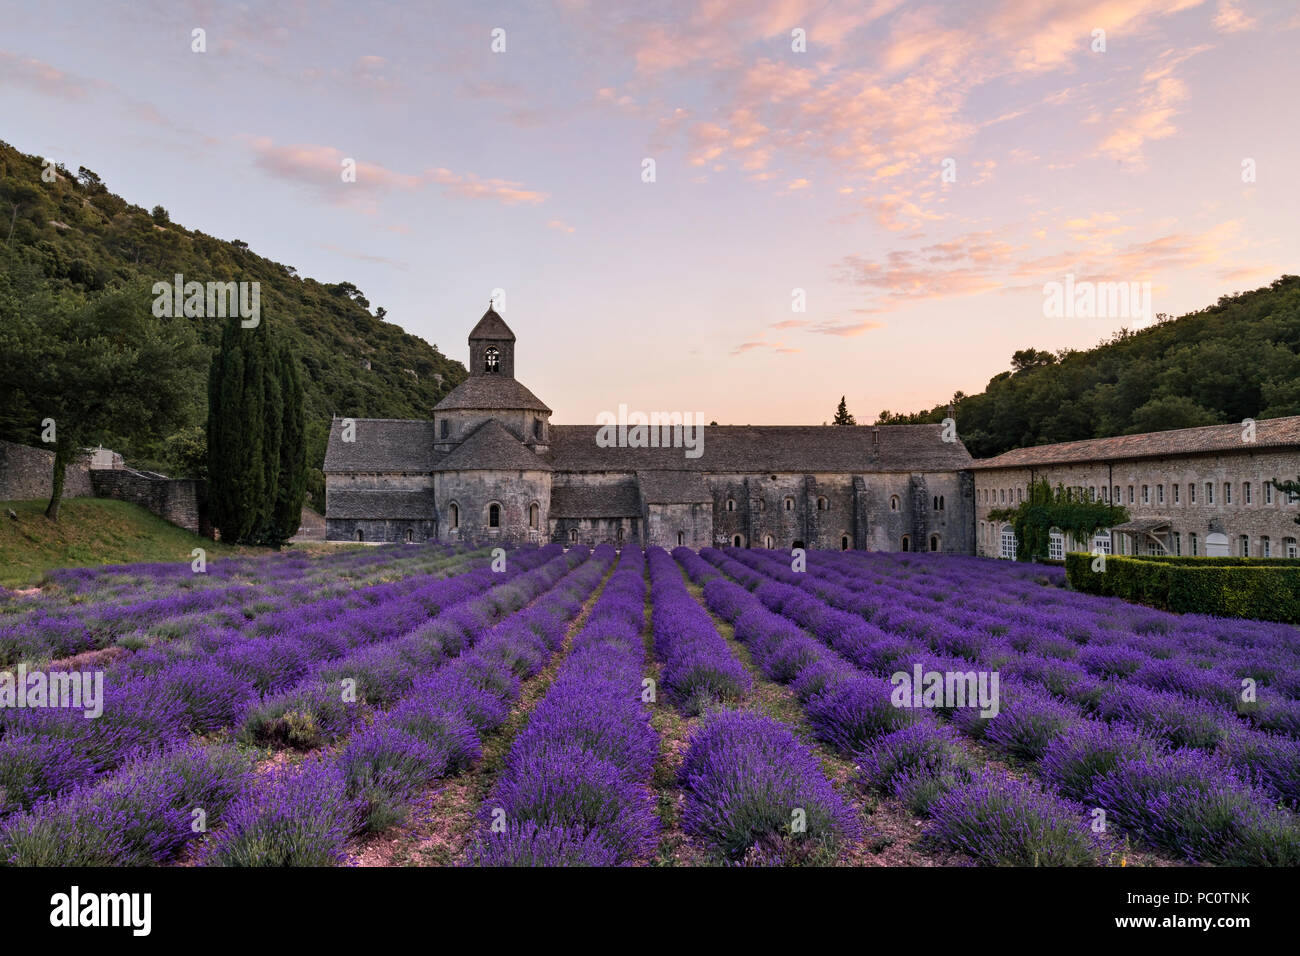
[(492, 346)]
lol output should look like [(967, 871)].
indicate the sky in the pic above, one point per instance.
[(737, 208)]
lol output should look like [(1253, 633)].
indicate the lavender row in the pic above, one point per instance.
[(699, 669), (306, 814), (163, 699), (1215, 815), (299, 815), (1101, 684), (574, 790), (53, 631)]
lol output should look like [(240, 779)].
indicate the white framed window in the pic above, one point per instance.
[(1195, 547), (1227, 492), (1268, 493), (1056, 546), (1176, 488), (1209, 492), (1146, 494), (1290, 548), (1245, 492), (1160, 494), (1176, 540), (1130, 494), (1102, 542), (1191, 492), (1265, 547), (1008, 543), (1244, 543)]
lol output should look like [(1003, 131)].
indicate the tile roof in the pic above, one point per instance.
[(673, 487), (583, 500), (492, 326), (490, 447), (1270, 433), (373, 504), (491, 393), (382, 444), (770, 448)]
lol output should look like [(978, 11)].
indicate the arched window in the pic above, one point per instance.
[(1008, 550), (534, 515), (731, 504), (844, 542), (762, 504), (789, 503), (737, 542), (620, 534), (767, 542), (936, 502), (1056, 545), (491, 360), (797, 544), (907, 543), (410, 536), (360, 535), (941, 502), (573, 535), (821, 504), (934, 542), (893, 502), (494, 516), (454, 515), (681, 538)]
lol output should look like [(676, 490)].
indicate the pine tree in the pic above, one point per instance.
[(842, 416)]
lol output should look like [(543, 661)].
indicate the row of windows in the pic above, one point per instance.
[(1150, 494), (1263, 548), (823, 505), (493, 515)]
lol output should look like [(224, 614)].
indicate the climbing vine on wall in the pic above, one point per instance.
[(1047, 509)]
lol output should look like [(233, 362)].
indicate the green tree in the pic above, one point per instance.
[(1046, 509), (256, 437), (1291, 489), (97, 369), (842, 416)]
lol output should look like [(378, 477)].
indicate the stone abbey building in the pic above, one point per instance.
[(490, 465)]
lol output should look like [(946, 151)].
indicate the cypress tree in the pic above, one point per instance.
[(237, 398), (291, 490)]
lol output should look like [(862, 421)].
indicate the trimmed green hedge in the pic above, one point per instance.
[(1225, 561), (1260, 589)]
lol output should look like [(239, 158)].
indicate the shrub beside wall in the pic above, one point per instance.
[(1261, 589)]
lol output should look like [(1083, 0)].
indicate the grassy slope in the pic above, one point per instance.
[(90, 531)]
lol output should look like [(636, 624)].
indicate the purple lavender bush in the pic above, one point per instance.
[(755, 793)]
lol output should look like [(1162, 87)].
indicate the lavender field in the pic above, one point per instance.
[(439, 706)]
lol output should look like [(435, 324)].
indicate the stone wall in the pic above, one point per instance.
[(472, 493), (26, 474), (1256, 520), (181, 501)]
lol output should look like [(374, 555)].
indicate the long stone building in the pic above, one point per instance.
[(489, 465), (1189, 491)]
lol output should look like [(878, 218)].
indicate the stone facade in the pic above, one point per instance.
[(490, 445), (1194, 502), (490, 442)]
